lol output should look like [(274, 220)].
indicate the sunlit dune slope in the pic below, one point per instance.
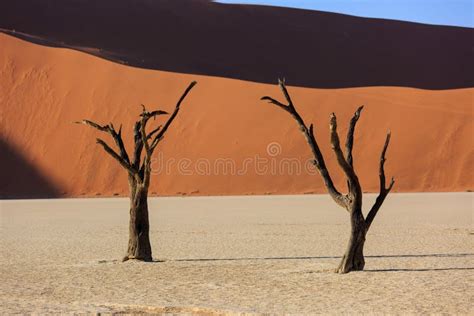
[(43, 90)]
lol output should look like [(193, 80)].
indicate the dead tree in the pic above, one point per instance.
[(139, 172), (353, 259)]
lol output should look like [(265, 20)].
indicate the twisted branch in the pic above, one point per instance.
[(137, 169), (310, 138), (153, 132), (137, 132), (350, 135), (383, 189), (117, 136), (159, 136), (116, 156), (350, 141), (343, 163)]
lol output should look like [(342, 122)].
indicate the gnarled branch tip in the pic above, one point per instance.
[(332, 121), (358, 111)]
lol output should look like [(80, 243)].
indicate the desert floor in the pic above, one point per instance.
[(259, 254)]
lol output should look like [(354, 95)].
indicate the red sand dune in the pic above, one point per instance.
[(43, 90)]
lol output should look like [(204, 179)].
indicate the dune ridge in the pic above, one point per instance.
[(43, 90)]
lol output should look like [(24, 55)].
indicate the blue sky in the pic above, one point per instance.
[(443, 12)]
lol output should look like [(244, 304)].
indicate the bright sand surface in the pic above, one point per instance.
[(237, 254)]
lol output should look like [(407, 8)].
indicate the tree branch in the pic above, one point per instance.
[(153, 132), (145, 116), (311, 140), (94, 125), (148, 115), (162, 132), (119, 142), (346, 167), (350, 135), (155, 143), (276, 102), (144, 139), (383, 190), (137, 138), (117, 136), (281, 83), (141, 138), (147, 158), (112, 153), (350, 141)]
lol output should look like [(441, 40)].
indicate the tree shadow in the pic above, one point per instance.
[(256, 43), (19, 178), (418, 270), (253, 258), (436, 255)]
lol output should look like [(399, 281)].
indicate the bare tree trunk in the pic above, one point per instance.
[(353, 259), (139, 172), (139, 247)]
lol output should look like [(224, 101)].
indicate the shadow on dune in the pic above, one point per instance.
[(19, 178), (256, 43)]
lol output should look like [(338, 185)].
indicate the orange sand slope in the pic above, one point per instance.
[(225, 140)]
